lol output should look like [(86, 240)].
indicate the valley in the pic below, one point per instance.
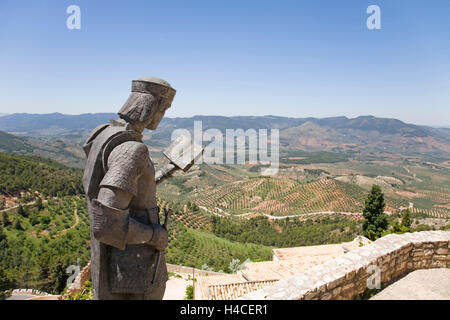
[(221, 213)]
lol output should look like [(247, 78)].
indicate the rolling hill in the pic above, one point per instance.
[(13, 144), (63, 150), (31, 173)]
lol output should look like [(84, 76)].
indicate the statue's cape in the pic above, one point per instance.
[(98, 146)]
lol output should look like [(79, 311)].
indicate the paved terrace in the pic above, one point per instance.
[(430, 284)]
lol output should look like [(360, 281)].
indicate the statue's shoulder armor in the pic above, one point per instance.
[(102, 143), (124, 165), (125, 148), (94, 133)]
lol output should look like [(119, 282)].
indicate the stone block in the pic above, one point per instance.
[(350, 276), (349, 286), (337, 291), (335, 283), (443, 244), (428, 245), (326, 296), (438, 264), (441, 257), (310, 295), (418, 253)]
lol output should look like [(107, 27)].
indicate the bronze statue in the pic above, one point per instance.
[(120, 184)]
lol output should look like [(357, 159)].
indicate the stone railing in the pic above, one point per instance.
[(347, 276), (78, 283)]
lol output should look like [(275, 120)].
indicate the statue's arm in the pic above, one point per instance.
[(112, 223), (135, 232), (115, 198), (164, 172), (120, 199)]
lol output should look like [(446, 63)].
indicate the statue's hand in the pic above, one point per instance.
[(165, 172), (160, 238)]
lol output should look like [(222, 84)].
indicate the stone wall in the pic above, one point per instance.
[(348, 275)]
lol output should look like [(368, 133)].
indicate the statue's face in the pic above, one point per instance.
[(160, 110)]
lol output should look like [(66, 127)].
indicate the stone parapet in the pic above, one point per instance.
[(347, 276)]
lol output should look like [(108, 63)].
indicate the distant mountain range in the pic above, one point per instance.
[(36, 123), (24, 122), (364, 135)]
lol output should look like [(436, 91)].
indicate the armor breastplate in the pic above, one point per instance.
[(97, 148)]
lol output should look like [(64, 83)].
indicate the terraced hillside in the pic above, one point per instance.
[(31, 173), (189, 215), (286, 196), (41, 241), (196, 248)]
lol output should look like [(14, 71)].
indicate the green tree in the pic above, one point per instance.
[(189, 293), (5, 284), (2, 234), (375, 220), (39, 203), (4, 219), (2, 203), (16, 224), (406, 219), (396, 228), (58, 276), (234, 265), (21, 210), (423, 227)]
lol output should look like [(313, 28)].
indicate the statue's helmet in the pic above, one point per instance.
[(150, 98)]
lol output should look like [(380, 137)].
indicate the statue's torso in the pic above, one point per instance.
[(117, 158), (146, 197)]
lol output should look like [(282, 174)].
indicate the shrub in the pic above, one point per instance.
[(189, 293)]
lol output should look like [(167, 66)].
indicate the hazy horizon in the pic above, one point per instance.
[(230, 116)]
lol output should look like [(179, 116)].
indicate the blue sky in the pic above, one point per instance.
[(287, 58)]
